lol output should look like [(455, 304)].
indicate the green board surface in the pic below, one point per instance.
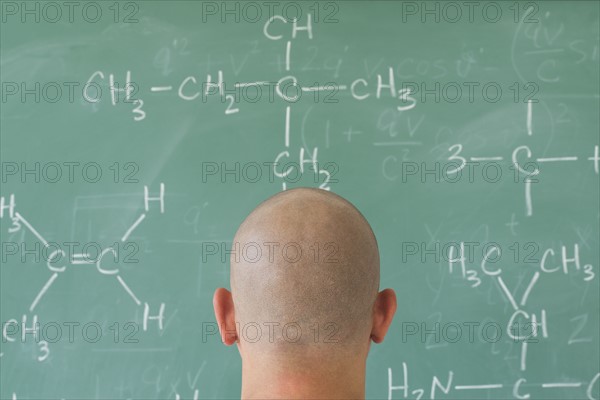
[(457, 128)]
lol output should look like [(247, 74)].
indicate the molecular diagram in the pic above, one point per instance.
[(532, 322), (523, 327), (56, 256), (188, 91), (527, 168)]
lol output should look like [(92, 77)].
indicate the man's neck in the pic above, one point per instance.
[(319, 380)]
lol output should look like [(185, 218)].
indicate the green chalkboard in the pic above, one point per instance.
[(137, 135)]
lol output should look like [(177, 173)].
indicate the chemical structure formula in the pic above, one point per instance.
[(286, 88), (522, 161), (59, 262)]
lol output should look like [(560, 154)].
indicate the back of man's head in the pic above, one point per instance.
[(304, 278)]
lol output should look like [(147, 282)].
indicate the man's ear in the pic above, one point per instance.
[(383, 313), (225, 314)]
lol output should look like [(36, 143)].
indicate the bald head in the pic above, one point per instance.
[(306, 272)]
